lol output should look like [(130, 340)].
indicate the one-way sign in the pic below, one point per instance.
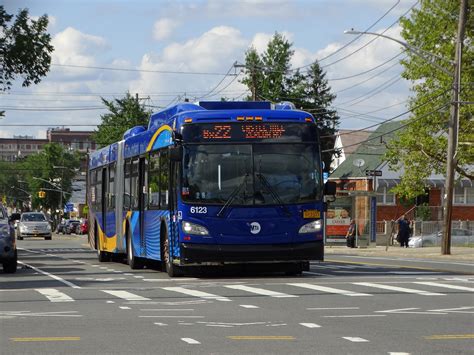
[(373, 172)]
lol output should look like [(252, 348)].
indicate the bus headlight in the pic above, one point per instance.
[(196, 229), (311, 227)]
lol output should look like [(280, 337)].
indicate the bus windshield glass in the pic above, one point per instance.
[(251, 174)]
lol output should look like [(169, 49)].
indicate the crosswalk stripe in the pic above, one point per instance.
[(128, 296), (328, 289), (356, 339), (54, 295), (310, 325), (454, 287), (195, 293), (260, 291), (399, 289)]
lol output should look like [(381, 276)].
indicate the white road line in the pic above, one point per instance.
[(167, 310), (70, 284), (395, 353), (260, 291), (139, 277), (454, 287), (310, 325), (399, 289), (195, 293), (171, 316), (356, 339), (160, 324), (123, 307), (330, 308), (328, 289), (190, 341), (248, 306), (54, 295), (126, 295), (356, 316), (316, 273)]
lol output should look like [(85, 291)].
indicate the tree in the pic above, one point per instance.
[(25, 48), (421, 148), (124, 114), (269, 77)]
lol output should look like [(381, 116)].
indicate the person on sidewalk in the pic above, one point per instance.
[(403, 231), (350, 235)]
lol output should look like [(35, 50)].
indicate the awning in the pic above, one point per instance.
[(438, 183)]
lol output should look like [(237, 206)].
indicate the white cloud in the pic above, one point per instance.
[(163, 28)]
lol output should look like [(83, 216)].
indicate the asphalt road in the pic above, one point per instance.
[(63, 301)]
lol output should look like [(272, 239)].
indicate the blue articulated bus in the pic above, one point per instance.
[(211, 183)]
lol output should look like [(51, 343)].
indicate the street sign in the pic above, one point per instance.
[(373, 172), (69, 207)]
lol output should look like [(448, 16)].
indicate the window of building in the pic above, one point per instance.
[(464, 195), (384, 196)]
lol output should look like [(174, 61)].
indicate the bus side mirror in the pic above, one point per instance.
[(176, 153), (330, 188)]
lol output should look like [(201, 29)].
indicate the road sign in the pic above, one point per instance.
[(69, 207), (373, 172)]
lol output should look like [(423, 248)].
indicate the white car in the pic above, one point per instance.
[(459, 237), (33, 224)]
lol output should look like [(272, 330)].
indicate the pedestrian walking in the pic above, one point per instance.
[(403, 231), (350, 235)]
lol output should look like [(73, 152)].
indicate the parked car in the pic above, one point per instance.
[(84, 227), (460, 237), (34, 224), (71, 226), (8, 253), (61, 227)]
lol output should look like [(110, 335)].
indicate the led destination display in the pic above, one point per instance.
[(281, 132)]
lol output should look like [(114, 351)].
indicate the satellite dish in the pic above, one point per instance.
[(359, 162)]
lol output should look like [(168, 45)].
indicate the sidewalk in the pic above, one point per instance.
[(433, 253)]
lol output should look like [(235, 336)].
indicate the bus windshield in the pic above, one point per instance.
[(254, 174)]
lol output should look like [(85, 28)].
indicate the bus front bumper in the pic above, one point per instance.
[(201, 253)]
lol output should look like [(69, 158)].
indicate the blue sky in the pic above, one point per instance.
[(203, 37)]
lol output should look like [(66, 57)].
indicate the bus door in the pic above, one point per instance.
[(173, 206), (109, 202), (142, 201)]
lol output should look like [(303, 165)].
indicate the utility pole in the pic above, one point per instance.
[(453, 128), (253, 77)]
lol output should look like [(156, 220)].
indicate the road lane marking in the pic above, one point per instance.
[(356, 316), (260, 291), (190, 341), (160, 324), (171, 316), (45, 339), (454, 287), (398, 353), (262, 337), (449, 336), (167, 310), (399, 289), (126, 295), (124, 307), (248, 306), (54, 295), (328, 289), (195, 293), (316, 273), (453, 310), (330, 308), (356, 339), (310, 325), (57, 278), (406, 311)]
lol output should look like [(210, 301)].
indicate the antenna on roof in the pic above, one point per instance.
[(359, 163)]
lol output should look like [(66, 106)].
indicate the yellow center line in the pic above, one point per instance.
[(45, 339), (449, 336), (262, 337)]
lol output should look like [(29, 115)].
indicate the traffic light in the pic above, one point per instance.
[(41, 194)]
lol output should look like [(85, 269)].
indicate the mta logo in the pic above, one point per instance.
[(255, 228)]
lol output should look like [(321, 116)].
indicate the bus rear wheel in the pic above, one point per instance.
[(102, 256), (132, 260), (171, 269)]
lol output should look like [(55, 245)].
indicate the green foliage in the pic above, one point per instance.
[(423, 212), (421, 149), (124, 114), (25, 48), (269, 78)]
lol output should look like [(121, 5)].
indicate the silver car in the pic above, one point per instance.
[(8, 255), (33, 224), (459, 237)]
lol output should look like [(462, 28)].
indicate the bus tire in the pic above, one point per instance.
[(102, 256), (171, 269), (132, 261)]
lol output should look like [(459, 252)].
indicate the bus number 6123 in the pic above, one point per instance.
[(200, 210)]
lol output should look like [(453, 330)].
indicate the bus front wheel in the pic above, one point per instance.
[(171, 269)]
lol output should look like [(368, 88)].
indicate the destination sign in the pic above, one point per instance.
[(250, 132)]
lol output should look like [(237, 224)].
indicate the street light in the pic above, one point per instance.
[(453, 127)]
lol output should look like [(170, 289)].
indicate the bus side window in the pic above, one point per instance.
[(134, 184), (164, 179), (154, 180), (126, 186), (98, 190), (111, 187)]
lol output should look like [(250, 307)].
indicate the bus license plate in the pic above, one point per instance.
[(311, 214)]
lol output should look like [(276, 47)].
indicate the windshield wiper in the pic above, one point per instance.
[(233, 195), (273, 193)]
